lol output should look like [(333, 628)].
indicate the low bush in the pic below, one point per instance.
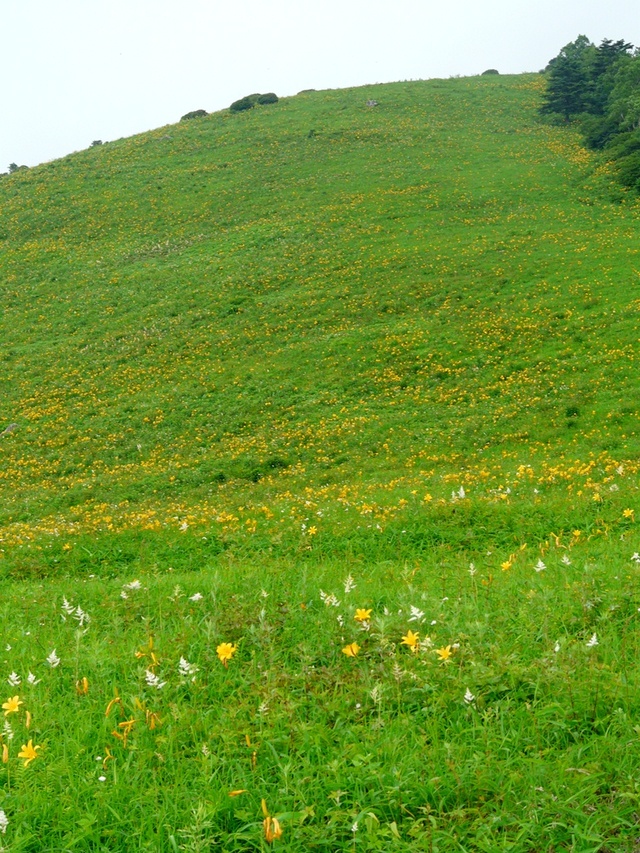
[(246, 103), (194, 114), (249, 101)]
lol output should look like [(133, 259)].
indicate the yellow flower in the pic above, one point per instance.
[(28, 752), (225, 652), (412, 640), (108, 757), (351, 650), (272, 828), (153, 719), (12, 705), (362, 615), (506, 565), (116, 701), (629, 513), (444, 654)]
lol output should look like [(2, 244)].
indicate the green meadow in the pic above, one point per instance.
[(319, 483)]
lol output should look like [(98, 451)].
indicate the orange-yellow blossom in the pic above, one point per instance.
[(272, 828), (28, 752), (412, 639), (12, 705), (362, 615), (444, 654), (225, 652)]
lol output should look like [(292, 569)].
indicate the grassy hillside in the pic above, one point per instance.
[(315, 301), (353, 390)]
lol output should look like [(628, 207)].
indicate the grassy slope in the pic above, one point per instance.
[(246, 361), (317, 296)]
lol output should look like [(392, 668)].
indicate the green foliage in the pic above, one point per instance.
[(491, 71), (246, 103), (600, 86), (250, 101), (194, 114), (570, 79)]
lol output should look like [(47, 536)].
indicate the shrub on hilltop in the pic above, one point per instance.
[(194, 114), (246, 103), (249, 101)]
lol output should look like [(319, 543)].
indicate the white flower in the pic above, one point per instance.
[(556, 648), (469, 697), (354, 827), (67, 607), (4, 822), (566, 560), (186, 669), (329, 599), (177, 593), (32, 679), (416, 615), (184, 526), (539, 566), (197, 596), (7, 731), (152, 680), (81, 616), (14, 679), (133, 585), (263, 709), (53, 660), (264, 593), (349, 584), (340, 619), (593, 641), (102, 778), (124, 595), (472, 569), (636, 557)]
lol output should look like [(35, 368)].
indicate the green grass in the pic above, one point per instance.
[(252, 355)]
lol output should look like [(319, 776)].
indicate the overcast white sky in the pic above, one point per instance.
[(78, 70)]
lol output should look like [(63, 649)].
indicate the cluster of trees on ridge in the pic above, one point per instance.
[(599, 87)]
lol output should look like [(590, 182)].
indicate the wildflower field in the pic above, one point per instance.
[(319, 469)]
